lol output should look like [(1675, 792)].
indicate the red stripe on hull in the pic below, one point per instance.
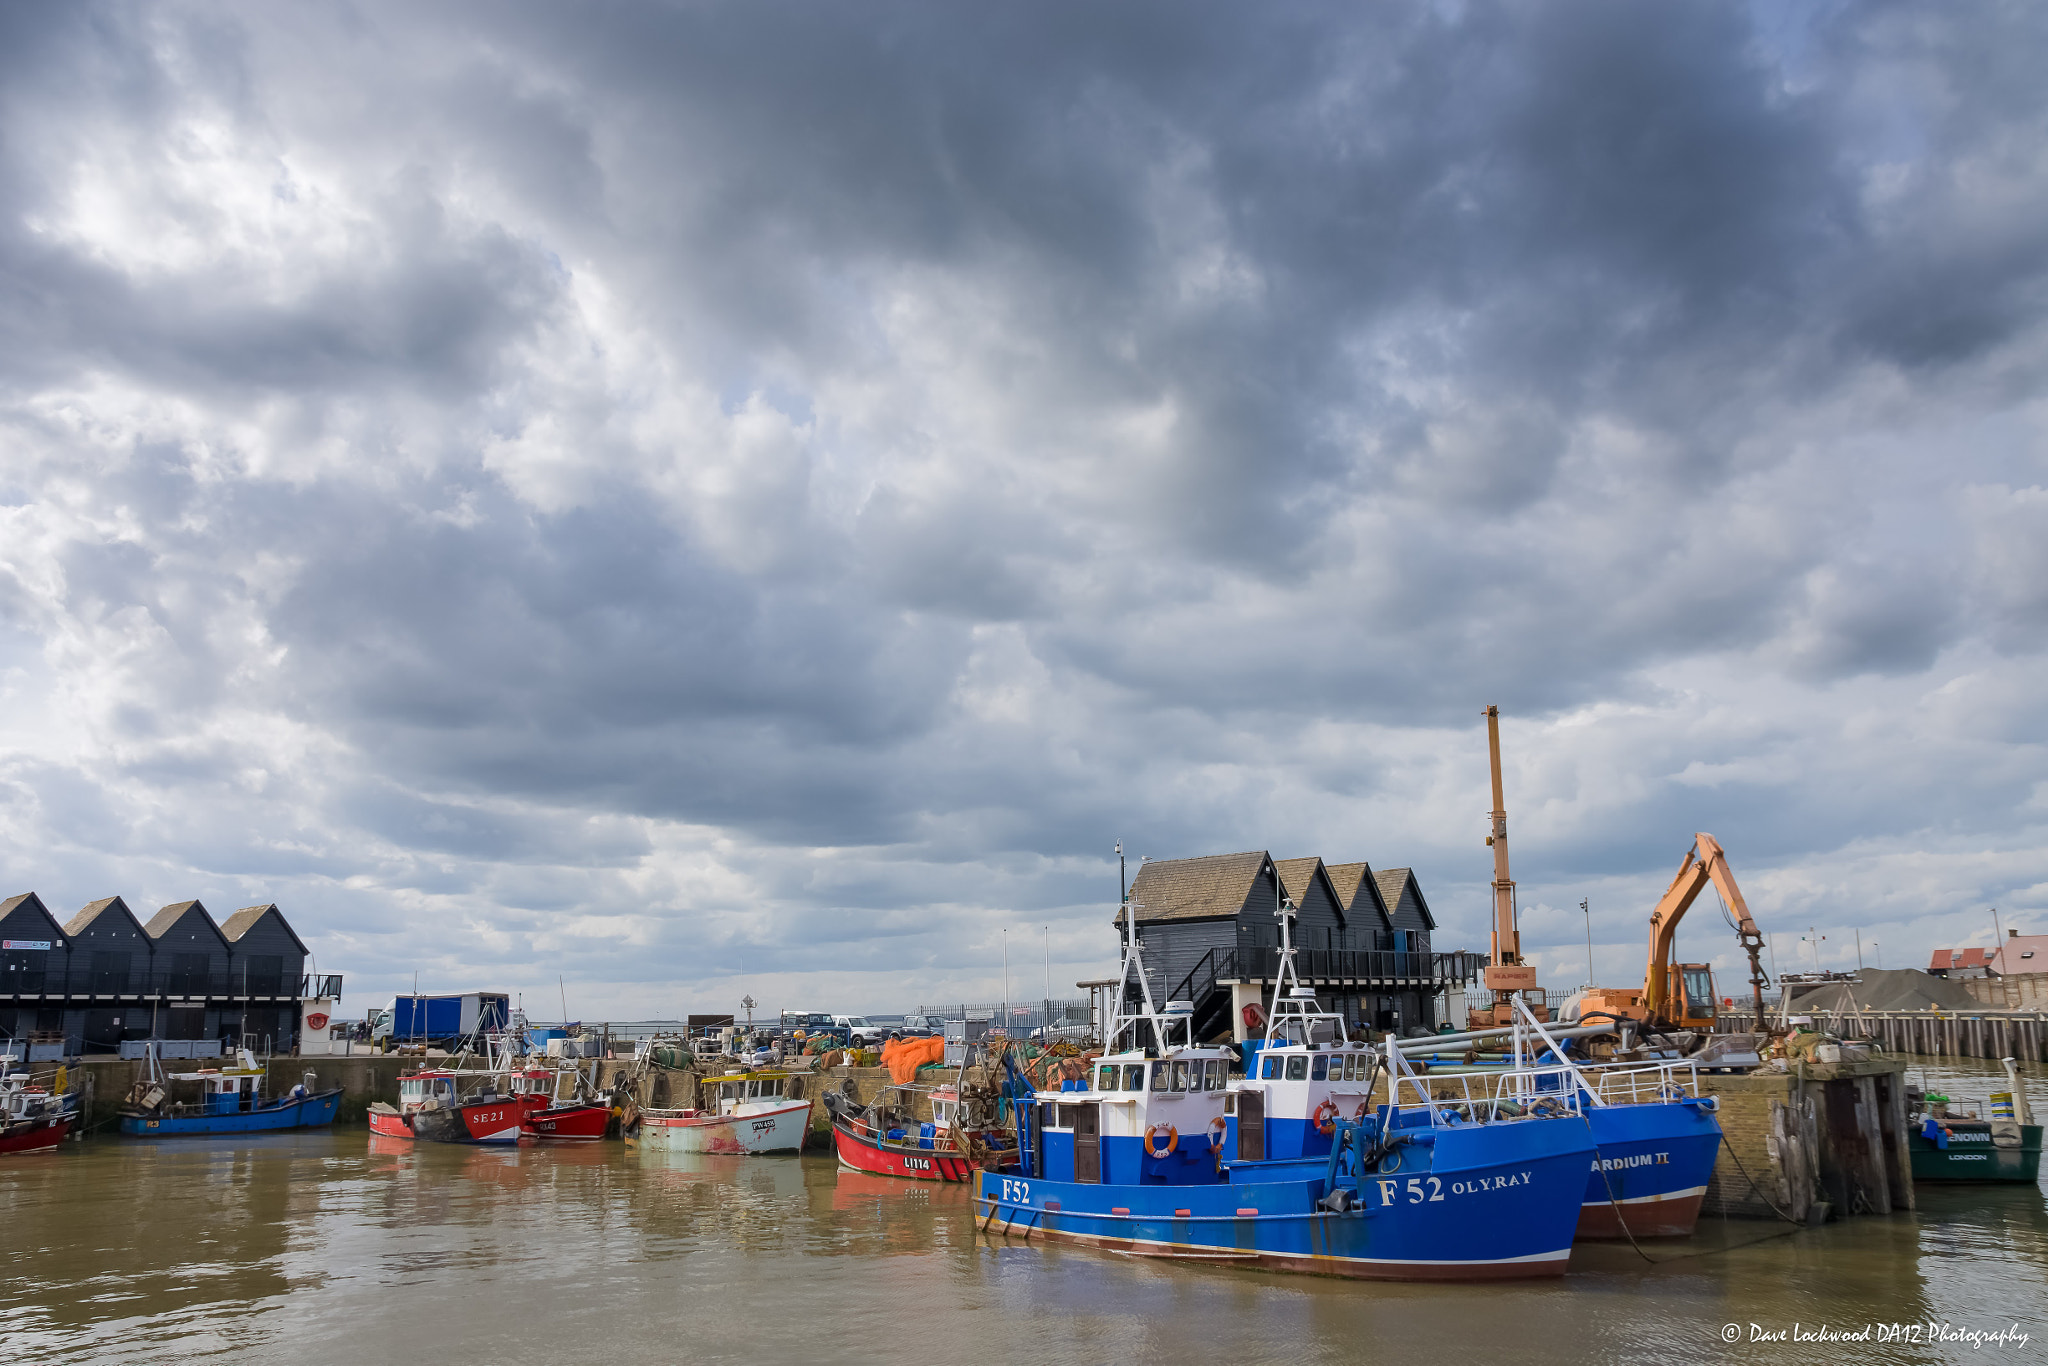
[(1670, 1217), (36, 1140), (1307, 1266), (923, 1164)]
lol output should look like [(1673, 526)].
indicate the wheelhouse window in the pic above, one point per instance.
[(1321, 1070), (1297, 1067), (1106, 1078), (1134, 1076), (1271, 1069), (1159, 1077), (1219, 1074), (1181, 1080)]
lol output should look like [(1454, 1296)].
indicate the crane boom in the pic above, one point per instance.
[(1703, 863), (1505, 973)]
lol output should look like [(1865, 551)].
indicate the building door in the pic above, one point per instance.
[(1251, 1126), (185, 1022), (1088, 1143)]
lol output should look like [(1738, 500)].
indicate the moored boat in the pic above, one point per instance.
[(883, 1139), (230, 1101), (32, 1118), (1655, 1136), (748, 1112), (447, 1105), (1992, 1139), (1292, 1169)]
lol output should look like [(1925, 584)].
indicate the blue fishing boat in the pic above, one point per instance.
[(1160, 1152), (1656, 1136), (230, 1101)]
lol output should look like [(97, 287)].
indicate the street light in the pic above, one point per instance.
[(1586, 906)]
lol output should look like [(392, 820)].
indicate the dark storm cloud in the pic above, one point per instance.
[(743, 482)]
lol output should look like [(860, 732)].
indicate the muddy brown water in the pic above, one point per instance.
[(336, 1246)]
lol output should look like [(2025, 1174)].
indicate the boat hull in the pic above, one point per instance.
[(778, 1129), (865, 1154), (479, 1122), (1971, 1155), (386, 1122), (1488, 1202), (568, 1124), (1651, 1175), (304, 1112), (37, 1139)]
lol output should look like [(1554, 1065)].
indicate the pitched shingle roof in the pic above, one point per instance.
[(169, 916), (93, 911), (1391, 881), (1195, 888), (13, 903), (1355, 882), (242, 921), (1295, 876)]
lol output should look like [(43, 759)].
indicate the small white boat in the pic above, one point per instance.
[(747, 1112)]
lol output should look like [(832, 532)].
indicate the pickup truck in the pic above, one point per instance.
[(859, 1030)]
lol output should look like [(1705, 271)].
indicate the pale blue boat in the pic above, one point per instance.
[(231, 1102)]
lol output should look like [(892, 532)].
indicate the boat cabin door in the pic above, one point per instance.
[(1251, 1126), (1088, 1143)]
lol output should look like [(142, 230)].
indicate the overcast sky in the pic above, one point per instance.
[(761, 497)]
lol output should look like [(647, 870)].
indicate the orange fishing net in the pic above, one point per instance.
[(904, 1056)]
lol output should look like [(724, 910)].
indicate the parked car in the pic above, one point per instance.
[(920, 1027), (859, 1031)]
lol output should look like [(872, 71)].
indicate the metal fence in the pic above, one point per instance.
[(1018, 1015)]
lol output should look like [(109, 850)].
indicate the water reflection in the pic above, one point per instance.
[(331, 1247)]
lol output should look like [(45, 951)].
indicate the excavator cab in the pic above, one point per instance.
[(1693, 993)]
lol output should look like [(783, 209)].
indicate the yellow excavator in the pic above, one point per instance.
[(1681, 995)]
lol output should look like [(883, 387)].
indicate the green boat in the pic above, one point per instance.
[(1975, 1150)]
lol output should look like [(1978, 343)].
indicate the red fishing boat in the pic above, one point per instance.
[(31, 1118), (503, 1105), (570, 1123), (881, 1138)]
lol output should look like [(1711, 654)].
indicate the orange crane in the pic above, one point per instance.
[(1681, 995), (1505, 974)]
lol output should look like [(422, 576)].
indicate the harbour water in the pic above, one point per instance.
[(336, 1246)]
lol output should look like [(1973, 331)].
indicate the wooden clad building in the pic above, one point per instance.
[(104, 978), (1211, 937), (35, 961)]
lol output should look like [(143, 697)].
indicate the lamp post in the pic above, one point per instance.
[(1585, 905)]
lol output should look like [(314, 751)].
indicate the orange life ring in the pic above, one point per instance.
[(1325, 1124), (1172, 1141), (1359, 1113)]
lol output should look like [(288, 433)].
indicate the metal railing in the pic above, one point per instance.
[(170, 984), (1430, 971)]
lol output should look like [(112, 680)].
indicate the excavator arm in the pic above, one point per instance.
[(1703, 863)]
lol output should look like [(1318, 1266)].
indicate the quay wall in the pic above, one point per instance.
[(362, 1077), (1820, 1140)]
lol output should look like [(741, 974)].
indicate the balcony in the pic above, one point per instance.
[(166, 984)]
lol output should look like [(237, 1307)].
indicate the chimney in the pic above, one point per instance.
[(2012, 934)]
